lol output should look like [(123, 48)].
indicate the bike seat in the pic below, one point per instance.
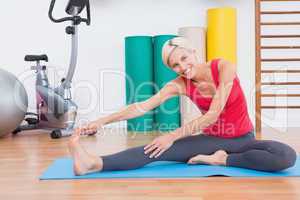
[(36, 58)]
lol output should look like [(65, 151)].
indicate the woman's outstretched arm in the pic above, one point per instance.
[(171, 89)]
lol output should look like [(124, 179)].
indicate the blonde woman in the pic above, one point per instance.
[(227, 132)]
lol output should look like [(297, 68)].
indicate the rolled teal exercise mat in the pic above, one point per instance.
[(139, 79), (167, 115)]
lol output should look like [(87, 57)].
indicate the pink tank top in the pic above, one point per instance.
[(234, 121)]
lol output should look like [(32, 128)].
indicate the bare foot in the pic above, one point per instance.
[(218, 158), (83, 161)]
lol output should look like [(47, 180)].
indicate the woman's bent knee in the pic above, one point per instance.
[(285, 158), (289, 157)]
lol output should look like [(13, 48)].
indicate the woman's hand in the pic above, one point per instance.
[(159, 145), (92, 128)]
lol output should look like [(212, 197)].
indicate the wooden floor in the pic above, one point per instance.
[(23, 158)]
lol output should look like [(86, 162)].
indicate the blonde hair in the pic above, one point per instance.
[(170, 45)]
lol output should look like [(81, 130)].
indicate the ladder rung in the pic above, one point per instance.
[(279, 12), (280, 83), (280, 47), (279, 23), (279, 59), (275, 107), (280, 71), (280, 36), (280, 95)]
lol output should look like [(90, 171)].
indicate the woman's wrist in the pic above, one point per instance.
[(103, 121), (180, 133), (114, 117), (174, 135)]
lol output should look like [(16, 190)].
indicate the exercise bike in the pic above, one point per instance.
[(56, 110)]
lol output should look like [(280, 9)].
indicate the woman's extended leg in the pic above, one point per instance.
[(182, 150)]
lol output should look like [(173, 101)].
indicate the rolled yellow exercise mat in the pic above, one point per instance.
[(221, 33), (197, 36)]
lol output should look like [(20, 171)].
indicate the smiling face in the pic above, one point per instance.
[(183, 62)]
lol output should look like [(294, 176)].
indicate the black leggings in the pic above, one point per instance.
[(244, 151)]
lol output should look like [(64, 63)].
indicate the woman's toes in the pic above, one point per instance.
[(191, 162), (196, 160)]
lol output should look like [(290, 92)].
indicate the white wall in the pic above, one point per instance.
[(27, 29)]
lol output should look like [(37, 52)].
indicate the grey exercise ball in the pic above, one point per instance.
[(13, 102)]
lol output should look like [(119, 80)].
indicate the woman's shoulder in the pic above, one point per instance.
[(221, 63), (179, 84)]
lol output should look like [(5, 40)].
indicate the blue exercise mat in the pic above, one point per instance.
[(62, 169)]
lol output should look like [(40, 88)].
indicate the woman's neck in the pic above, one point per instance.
[(203, 73)]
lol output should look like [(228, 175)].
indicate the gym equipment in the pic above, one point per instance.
[(221, 20), (13, 102), (197, 37), (55, 109), (139, 78), (62, 169), (167, 115)]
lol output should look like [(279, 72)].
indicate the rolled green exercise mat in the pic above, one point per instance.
[(167, 115), (139, 79)]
